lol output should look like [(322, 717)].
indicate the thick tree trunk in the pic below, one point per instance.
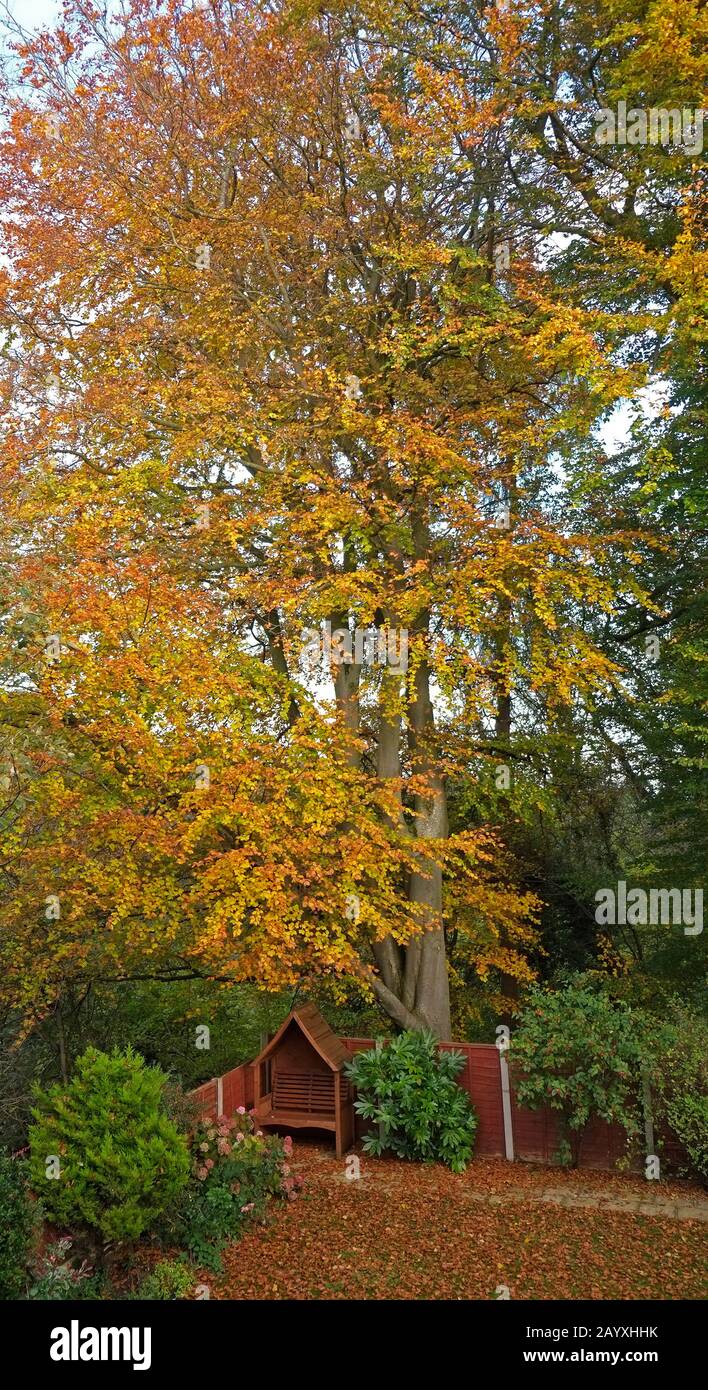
[(346, 688), (412, 985), (426, 984), (411, 982)]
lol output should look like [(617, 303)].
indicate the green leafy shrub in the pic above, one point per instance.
[(17, 1227), (580, 1053), (687, 1116), (408, 1090), (170, 1279), (236, 1172), (679, 1085), (122, 1160), (209, 1219)]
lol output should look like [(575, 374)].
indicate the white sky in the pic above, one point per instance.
[(34, 14)]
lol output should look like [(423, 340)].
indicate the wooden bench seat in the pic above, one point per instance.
[(293, 1119)]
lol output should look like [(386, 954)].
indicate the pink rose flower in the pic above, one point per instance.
[(239, 1138), (248, 1207), (202, 1173), (241, 1110), (204, 1148), (209, 1163)]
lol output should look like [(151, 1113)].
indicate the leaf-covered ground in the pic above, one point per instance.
[(409, 1231)]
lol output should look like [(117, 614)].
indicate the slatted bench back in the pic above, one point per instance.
[(304, 1091)]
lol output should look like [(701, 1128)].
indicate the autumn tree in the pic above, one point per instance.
[(284, 355)]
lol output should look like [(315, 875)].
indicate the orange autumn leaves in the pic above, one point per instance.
[(156, 793), (258, 379)]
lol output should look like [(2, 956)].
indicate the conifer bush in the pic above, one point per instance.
[(118, 1158)]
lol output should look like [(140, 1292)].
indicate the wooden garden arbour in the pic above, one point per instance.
[(299, 1082)]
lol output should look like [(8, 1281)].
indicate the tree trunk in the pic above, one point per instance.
[(413, 987), (427, 984), (503, 715), (412, 982)]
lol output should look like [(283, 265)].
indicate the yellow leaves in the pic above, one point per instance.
[(349, 389), (415, 255)]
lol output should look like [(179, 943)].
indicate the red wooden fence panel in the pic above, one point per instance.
[(537, 1138), (357, 1044), (354, 1045), (481, 1078), (205, 1096), (535, 1133), (601, 1145), (237, 1089)]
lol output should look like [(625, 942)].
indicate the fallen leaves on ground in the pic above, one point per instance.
[(411, 1231)]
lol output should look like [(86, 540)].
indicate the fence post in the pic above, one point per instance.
[(219, 1096), (506, 1106), (648, 1118)]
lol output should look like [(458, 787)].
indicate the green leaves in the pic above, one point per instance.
[(104, 1153), (408, 1089), (170, 1279), (680, 1084), (17, 1225), (236, 1189), (580, 1053)]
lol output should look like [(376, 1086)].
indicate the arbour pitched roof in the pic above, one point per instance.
[(318, 1033)]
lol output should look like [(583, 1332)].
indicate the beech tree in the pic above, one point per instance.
[(284, 356)]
